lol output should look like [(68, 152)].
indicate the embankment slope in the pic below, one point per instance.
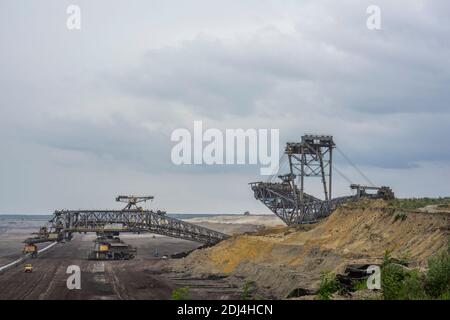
[(281, 259)]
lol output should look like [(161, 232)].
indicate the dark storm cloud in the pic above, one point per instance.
[(105, 99), (395, 81), (120, 141)]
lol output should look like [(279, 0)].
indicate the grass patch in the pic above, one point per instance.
[(359, 285), (437, 281), (249, 292), (180, 294), (328, 285), (416, 203), (401, 283)]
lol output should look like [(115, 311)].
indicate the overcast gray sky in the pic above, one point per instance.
[(87, 114)]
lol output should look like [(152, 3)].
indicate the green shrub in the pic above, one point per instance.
[(247, 291), (328, 285), (359, 285), (400, 216), (437, 282), (412, 287), (400, 283), (444, 296), (180, 293), (392, 277)]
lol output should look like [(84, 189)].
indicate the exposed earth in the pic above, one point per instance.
[(145, 277), (262, 256), (281, 259)]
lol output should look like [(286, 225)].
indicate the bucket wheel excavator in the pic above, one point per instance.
[(312, 157)]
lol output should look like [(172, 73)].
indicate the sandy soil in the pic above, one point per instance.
[(280, 260), (257, 220), (435, 209), (233, 225)]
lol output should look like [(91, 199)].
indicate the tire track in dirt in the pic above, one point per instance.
[(146, 277)]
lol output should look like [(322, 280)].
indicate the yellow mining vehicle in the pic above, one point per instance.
[(31, 249), (28, 268), (111, 248)]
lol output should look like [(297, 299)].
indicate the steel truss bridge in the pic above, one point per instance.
[(133, 221), (66, 222), (312, 157)]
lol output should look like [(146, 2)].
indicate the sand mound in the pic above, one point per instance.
[(262, 220), (282, 259), (236, 224)]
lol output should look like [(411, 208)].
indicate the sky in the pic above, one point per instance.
[(88, 114)]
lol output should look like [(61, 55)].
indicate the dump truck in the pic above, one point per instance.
[(28, 268), (30, 249), (112, 249)]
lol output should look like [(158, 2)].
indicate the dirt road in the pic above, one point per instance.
[(145, 277)]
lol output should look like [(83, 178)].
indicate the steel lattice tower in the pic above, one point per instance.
[(312, 157)]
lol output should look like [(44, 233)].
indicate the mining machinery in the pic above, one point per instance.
[(132, 218), (362, 191), (31, 249), (132, 201), (45, 234), (108, 246), (312, 157)]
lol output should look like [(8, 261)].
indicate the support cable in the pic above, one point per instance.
[(342, 175), (355, 167), (281, 167)]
